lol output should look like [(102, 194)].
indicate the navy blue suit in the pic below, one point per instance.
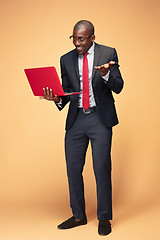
[(96, 127)]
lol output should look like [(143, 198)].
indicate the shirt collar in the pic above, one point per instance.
[(91, 49)]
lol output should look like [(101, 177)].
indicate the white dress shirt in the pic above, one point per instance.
[(90, 58)]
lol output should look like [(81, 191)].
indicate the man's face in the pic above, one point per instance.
[(82, 47)]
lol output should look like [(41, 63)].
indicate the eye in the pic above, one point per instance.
[(81, 39)]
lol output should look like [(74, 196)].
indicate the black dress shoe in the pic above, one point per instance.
[(104, 227), (71, 223)]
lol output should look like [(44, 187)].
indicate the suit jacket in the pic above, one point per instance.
[(102, 90)]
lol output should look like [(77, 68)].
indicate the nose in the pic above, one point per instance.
[(76, 43)]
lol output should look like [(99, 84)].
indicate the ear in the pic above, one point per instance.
[(93, 38)]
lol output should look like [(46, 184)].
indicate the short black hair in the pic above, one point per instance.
[(86, 24)]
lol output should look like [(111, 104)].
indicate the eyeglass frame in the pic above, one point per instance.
[(80, 41)]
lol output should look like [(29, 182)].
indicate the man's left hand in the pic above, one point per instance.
[(103, 69)]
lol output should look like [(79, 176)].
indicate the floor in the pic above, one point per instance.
[(40, 223)]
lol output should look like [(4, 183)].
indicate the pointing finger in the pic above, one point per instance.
[(111, 63)]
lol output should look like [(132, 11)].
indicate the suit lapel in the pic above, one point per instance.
[(75, 62), (96, 59)]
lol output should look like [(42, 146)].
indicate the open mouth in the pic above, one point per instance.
[(79, 49)]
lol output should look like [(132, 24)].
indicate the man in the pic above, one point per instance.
[(93, 69)]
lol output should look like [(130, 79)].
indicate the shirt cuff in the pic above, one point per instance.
[(59, 104), (106, 77)]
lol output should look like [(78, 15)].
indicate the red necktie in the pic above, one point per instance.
[(85, 82)]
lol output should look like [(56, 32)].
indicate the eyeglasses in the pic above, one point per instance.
[(80, 39)]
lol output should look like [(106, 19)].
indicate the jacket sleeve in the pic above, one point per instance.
[(65, 99), (115, 81)]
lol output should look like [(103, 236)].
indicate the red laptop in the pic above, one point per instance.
[(43, 77)]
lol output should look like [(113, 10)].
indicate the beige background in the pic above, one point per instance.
[(33, 184)]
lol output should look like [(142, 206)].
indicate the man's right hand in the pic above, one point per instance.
[(48, 95)]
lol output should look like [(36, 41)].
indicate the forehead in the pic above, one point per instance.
[(82, 32)]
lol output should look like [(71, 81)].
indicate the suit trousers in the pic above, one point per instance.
[(89, 127)]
